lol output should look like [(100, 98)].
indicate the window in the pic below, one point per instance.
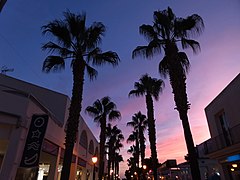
[(83, 139), (91, 147), (224, 128), (96, 151)]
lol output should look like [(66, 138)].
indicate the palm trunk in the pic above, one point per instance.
[(178, 82), (152, 134), (102, 149), (142, 150), (109, 166), (137, 156), (73, 119), (142, 147), (110, 159)]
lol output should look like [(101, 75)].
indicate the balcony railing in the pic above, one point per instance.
[(223, 140)]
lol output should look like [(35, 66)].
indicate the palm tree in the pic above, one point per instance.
[(118, 159), (101, 110), (150, 88), (167, 30), (78, 43), (139, 122), (134, 137), (114, 139)]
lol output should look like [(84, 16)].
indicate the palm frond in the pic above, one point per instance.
[(60, 31), (92, 73), (76, 25), (108, 57), (185, 64), (194, 25), (114, 114), (136, 93), (148, 32), (163, 67), (53, 63), (186, 43), (53, 47), (94, 34)]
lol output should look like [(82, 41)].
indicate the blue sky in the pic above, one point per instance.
[(211, 70)]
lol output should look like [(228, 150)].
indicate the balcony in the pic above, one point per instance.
[(223, 140)]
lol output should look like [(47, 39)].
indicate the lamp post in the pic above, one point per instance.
[(144, 171), (94, 160)]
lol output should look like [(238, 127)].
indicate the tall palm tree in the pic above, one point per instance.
[(76, 42), (139, 122), (165, 34), (103, 110), (150, 88)]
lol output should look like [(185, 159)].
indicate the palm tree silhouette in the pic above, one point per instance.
[(103, 110), (78, 43), (167, 30), (139, 122), (150, 88), (114, 138)]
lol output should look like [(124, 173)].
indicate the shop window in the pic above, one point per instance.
[(83, 139), (91, 147)]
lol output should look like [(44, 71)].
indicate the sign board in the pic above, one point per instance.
[(33, 145)]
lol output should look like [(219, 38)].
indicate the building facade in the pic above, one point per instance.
[(223, 116), (32, 122)]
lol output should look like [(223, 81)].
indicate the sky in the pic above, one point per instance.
[(211, 69)]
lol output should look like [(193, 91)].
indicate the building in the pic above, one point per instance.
[(32, 121), (207, 166), (223, 116)]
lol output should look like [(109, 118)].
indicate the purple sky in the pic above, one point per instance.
[(211, 70)]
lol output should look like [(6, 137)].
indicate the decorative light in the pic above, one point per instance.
[(94, 159)]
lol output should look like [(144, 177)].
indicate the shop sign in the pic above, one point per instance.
[(36, 133)]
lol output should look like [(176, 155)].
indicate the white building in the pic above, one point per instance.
[(23, 104)]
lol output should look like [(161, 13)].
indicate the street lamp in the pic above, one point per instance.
[(94, 160)]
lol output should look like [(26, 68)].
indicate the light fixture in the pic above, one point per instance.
[(144, 166), (232, 169), (94, 159), (234, 165)]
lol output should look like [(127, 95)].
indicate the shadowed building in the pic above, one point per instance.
[(223, 116), (32, 122)]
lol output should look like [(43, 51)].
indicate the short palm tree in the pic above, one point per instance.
[(139, 122), (114, 139), (118, 158), (78, 43), (134, 137), (165, 33), (150, 88), (103, 110)]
